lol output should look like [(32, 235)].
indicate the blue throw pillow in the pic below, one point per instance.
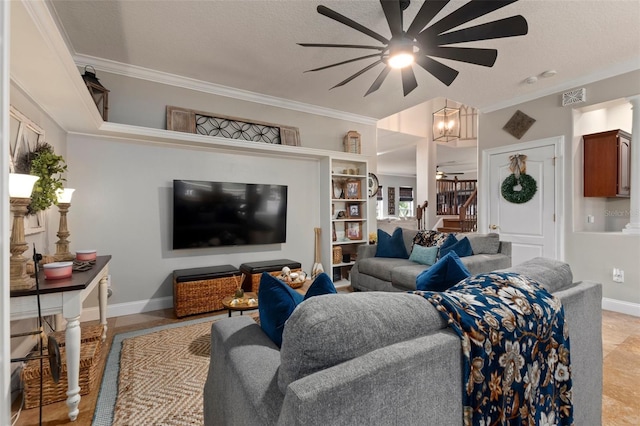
[(449, 241), (391, 245), (447, 271), (462, 248), (424, 255), (277, 301), (321, 285)]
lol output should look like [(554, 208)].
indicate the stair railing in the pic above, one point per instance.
[(469, 213), (421, 215)]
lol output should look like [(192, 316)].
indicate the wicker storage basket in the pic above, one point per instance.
[(54, 392), (255, 280), (253, 271), (337, 254), (204, 290)]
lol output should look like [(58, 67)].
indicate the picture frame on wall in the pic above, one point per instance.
[(354, 211), (353, 189), (391, 201), (354, 230)]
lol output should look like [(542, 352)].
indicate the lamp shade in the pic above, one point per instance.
[(20, 185), (64, 195)]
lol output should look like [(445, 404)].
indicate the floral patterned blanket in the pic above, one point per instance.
[(515, 347)]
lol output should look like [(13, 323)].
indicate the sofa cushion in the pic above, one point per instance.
[(447, 271), (481, 263), (462, 248), (552, 274), (278, 301), (424, 255), (482, 243), (326, 331), (391, 245), (404, 277), (381, 267)]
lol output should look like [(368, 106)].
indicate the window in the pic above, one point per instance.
[(405, 201), (379, 204)]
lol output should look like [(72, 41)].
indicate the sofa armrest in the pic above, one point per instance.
[(505, 248), (582, 303), (242, 384), (372, 389), (367, 250)]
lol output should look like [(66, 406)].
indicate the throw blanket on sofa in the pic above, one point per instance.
[(515, 348)]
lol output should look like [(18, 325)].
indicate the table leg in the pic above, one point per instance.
[(102, 297), (72, 337)]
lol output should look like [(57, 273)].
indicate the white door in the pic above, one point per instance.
[(531, 226)]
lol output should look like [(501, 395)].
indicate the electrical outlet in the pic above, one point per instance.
[(591, 218), (618, 275)]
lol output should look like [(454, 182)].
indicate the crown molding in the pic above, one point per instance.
[(134, 71), (615, 70)]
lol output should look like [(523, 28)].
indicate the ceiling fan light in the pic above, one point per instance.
[(401, 60)]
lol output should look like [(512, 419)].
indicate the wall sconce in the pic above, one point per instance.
[(62, 245), (446, 124), (99, 93), (20, 188)]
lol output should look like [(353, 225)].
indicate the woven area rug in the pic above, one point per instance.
[(155, 376)]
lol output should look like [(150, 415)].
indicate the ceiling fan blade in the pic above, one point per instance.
[(428, 10), (346, 62), (346, 46), (439, 70), (484, 57), (359, 73), (323, 10), (409, 81), (464, 14), (378, 81), (508, 27), (392, 12)]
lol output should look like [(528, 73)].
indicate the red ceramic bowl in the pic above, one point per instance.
[(57, 270), (85, 255)]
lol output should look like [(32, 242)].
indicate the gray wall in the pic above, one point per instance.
[(592, 255), (395, 181)]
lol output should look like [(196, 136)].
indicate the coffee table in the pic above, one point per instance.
[(246, 303)]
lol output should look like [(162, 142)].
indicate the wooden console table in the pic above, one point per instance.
[(65, 297)]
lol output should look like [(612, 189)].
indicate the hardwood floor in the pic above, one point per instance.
[(621, 350)]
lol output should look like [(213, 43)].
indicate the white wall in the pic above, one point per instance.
[(591, 255), (123, 201)]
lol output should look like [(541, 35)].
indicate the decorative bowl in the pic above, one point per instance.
[(85, 255), (57, 270)]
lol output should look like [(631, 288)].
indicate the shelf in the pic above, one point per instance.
[(348, 176), (349, 220), (338, 265), (337, 243)]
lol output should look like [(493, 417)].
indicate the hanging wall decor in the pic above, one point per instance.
[(518, 124), (518, 187), (391, 201)]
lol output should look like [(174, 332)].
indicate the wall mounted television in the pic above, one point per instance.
[(215, 214)]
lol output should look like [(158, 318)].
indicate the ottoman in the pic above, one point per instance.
[(253, 270)]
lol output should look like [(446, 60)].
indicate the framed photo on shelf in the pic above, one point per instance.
[(354, 230), (353, 189), (353, 211)]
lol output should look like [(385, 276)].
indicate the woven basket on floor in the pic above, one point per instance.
[(255, 279), (197, 297), (54, 392)]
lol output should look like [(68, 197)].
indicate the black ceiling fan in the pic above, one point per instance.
[(425, 40)]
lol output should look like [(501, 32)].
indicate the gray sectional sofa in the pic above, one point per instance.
[(377, 358), (372, 273)]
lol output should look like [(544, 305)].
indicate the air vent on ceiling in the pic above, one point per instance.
[(574, 97)]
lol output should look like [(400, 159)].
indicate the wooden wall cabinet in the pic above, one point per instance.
[(607, 164)]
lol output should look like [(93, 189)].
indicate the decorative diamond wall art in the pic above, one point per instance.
[(518, 124)]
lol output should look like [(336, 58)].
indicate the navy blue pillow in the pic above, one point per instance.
[(447, 271), (391, 245), (321, 285), (449, 241), (277, 301), (462, 248)]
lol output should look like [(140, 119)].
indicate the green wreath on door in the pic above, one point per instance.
[(518, 187)]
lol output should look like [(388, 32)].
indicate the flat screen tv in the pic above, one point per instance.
[(215, 214)]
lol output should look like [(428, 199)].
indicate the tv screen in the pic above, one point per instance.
[(214, 214)]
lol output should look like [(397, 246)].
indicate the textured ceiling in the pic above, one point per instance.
[(251, 45)]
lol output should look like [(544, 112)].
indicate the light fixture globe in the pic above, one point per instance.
[(401, 54)]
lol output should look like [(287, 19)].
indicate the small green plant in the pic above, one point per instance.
[(48, 166)]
